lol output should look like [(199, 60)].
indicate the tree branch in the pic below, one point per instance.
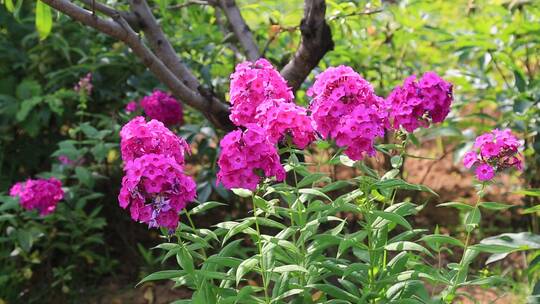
[(240, 29), (118, 28), (160, 44), (315, 43), (111, 12)]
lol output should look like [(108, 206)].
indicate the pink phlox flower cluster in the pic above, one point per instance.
[(346, 108), (156, 190), (245, 157), (416, 104), (131, 107), (493, 152), (84, 84), (358, 131), (139, 137), (336, 93), (280, 118), (154, 186), (251, 84), (38, 194), (163, 107)]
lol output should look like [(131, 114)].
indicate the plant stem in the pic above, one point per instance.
[(462, 266), (261, 258), (203, 252)]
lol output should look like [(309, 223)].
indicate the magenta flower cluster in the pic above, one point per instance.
[(346, 108), (140, 137), (251, 84), (417, 104), (279, 118), (38, 194), (493, 152), (245, 152), (262, 103), (156, 190), (154, 186), (163, 107)]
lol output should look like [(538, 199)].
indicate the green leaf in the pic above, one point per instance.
[(84, 176), (43, 19), (519, 81), (242, 192), (289, 268), (310, 179), (495, 206), (9, 6), (205, 207), (244, 268), (492, 248), (401, 184), (396, 161), (457, 205), (406, 245), (441, 239), (472, 219), (335, 292), (25, 239), (529, 192), (27, 106), (163, 275), (393, 217)]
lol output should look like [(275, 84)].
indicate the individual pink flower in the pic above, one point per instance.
[(470, 159), (139, 138), (493, 152), (251, 84), (156, 189), (38, 194), (163, 107), (245, 157), (417, 104), (280, 118), (131, 107), (485, 172), (64, 160)]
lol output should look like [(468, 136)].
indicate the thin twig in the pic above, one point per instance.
[(362, 13)]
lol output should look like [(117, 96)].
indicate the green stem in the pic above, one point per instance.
[(261, 258), (203, 252), (462, 266)]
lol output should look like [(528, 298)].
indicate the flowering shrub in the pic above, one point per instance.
[(494, 151), (38, 194), (417, 104), (302, 252), (245, 152), (163, 107)]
